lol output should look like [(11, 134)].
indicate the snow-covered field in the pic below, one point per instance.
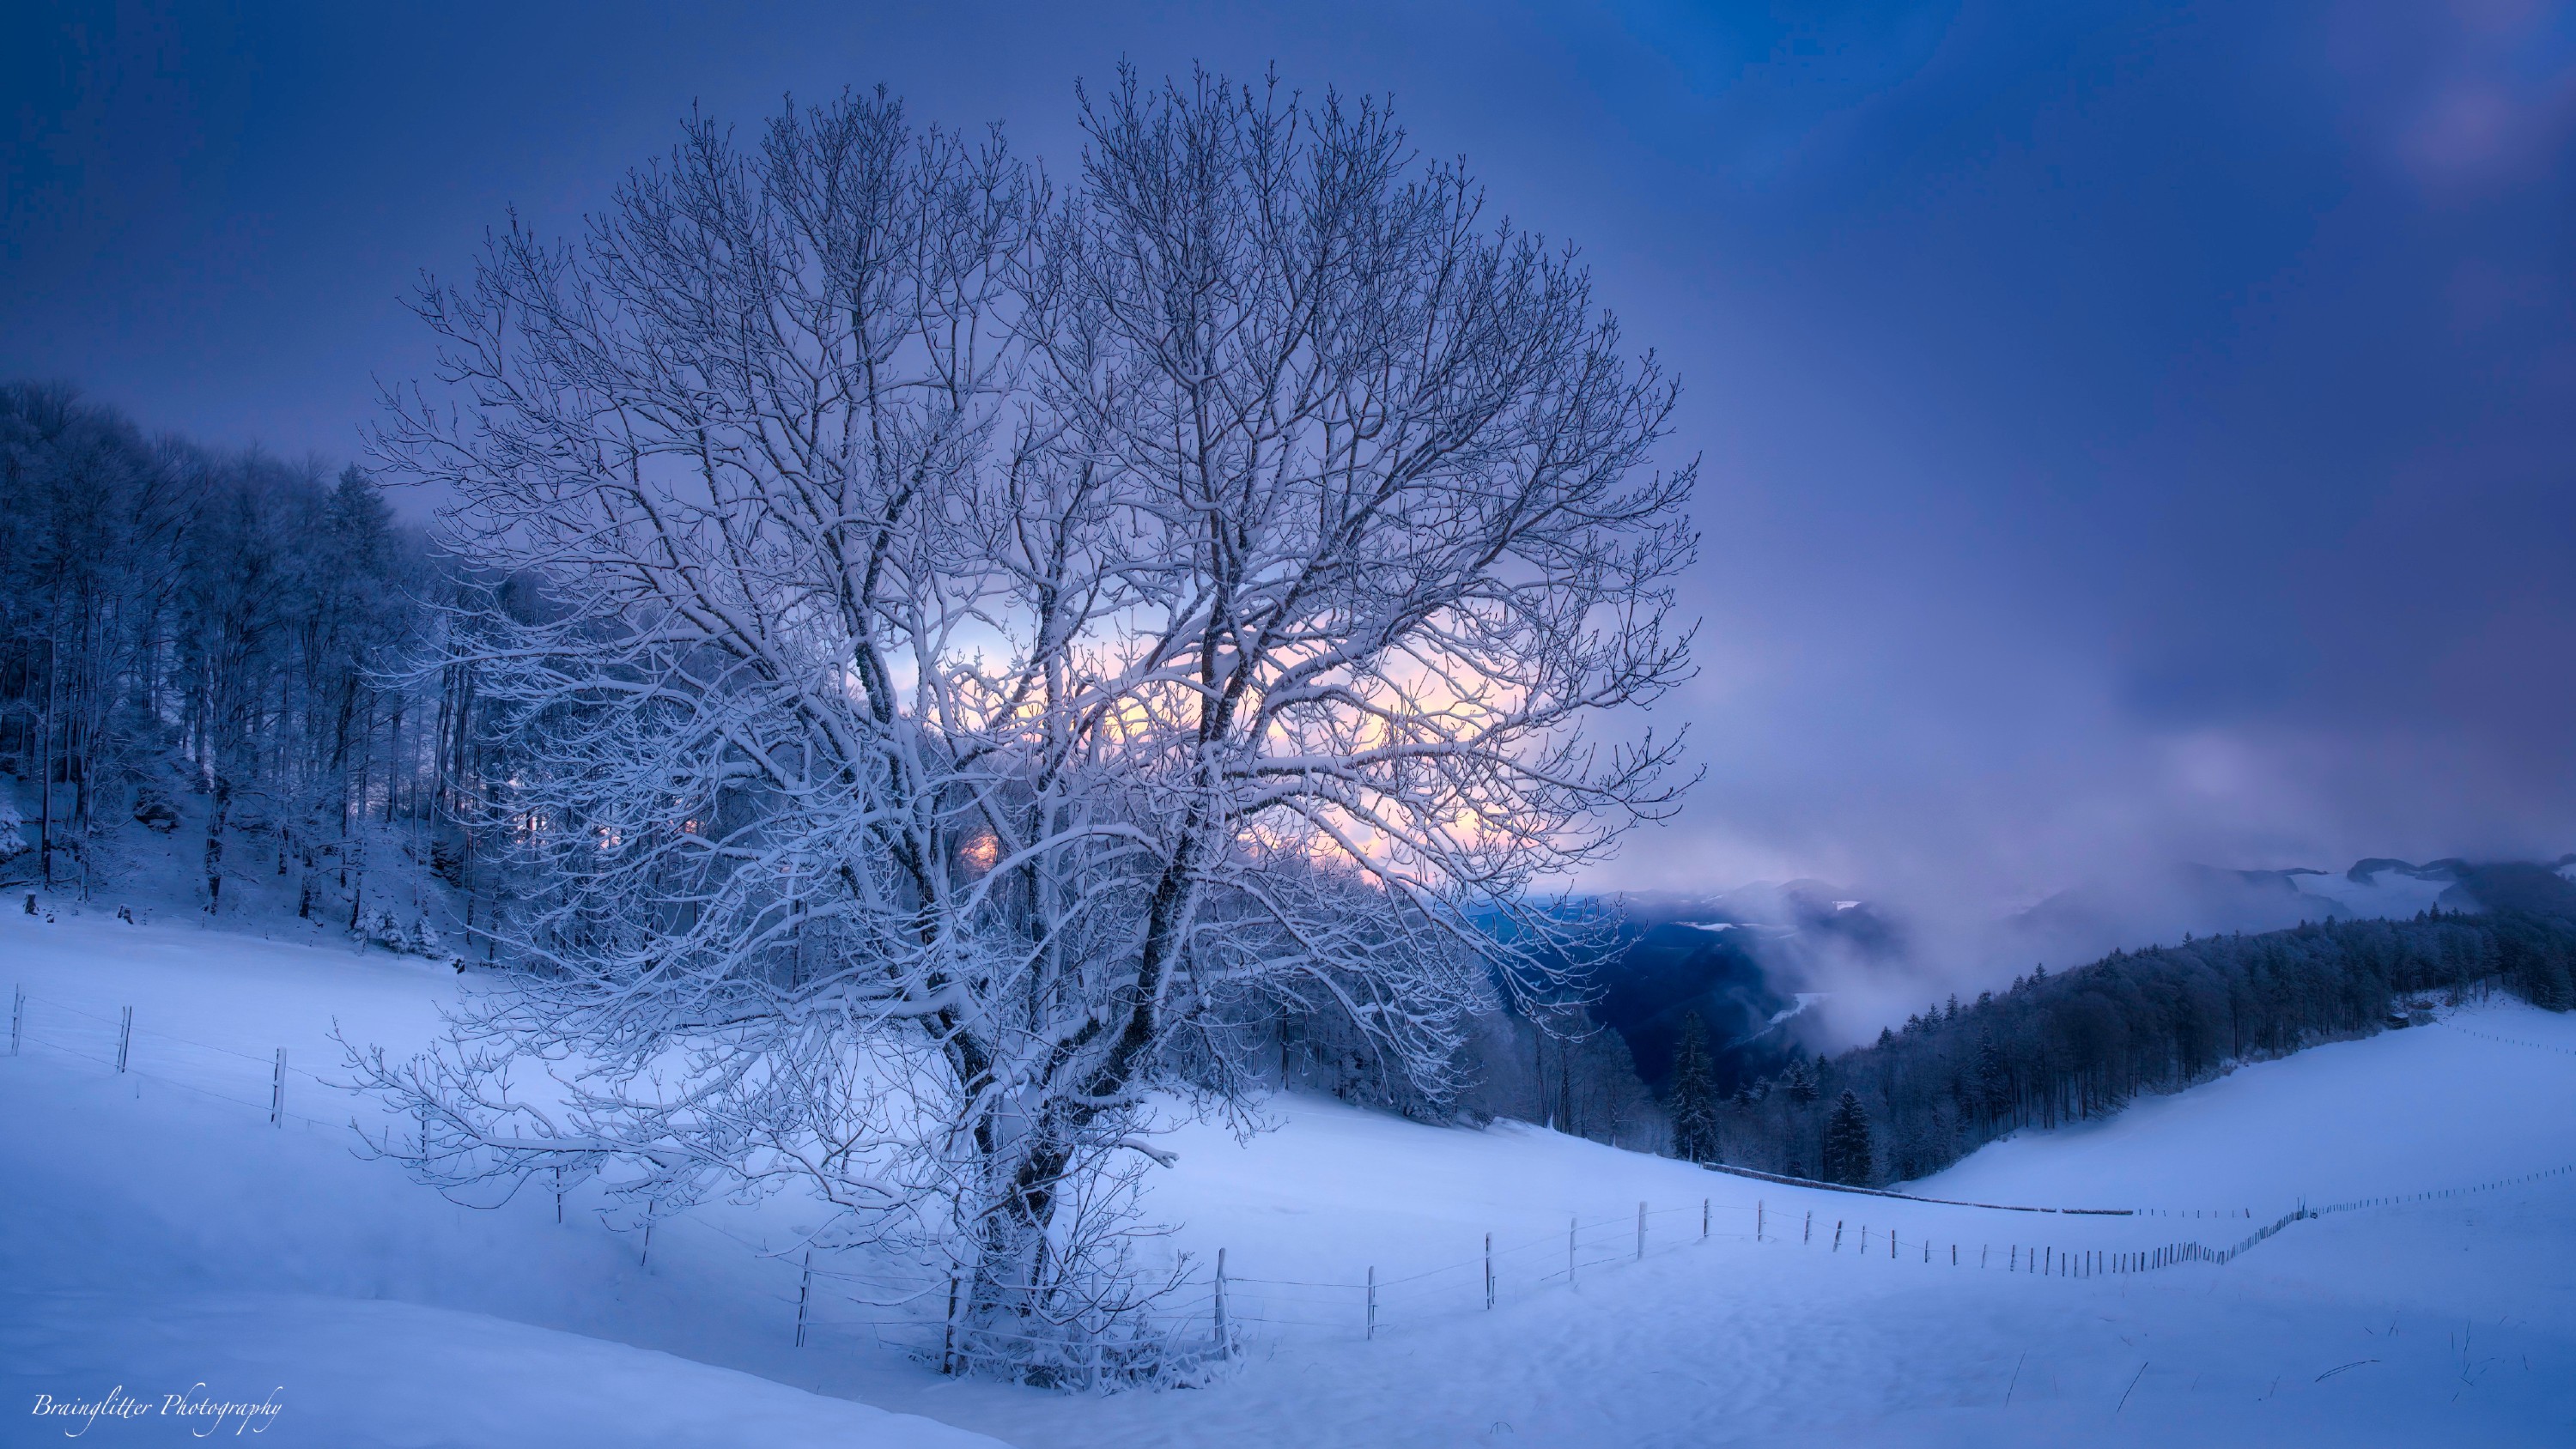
[(156, 1233)]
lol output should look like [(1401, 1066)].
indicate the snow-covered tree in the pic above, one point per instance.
[(998, 635)]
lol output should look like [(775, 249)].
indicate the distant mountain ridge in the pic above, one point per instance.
[(1741, 960), (2084, 921), (1749, 960), (2083, 1043)]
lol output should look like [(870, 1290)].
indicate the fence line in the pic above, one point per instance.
[(1844, 1187), (1225, 1302), (1369, 1306), (2538, 1046), (119, 1056)]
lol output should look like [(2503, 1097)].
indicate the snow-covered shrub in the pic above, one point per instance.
[(14, 849), (408, 933)]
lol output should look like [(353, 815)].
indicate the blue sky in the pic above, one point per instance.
[(2132, 432)]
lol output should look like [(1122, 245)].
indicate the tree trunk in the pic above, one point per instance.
[(215, 820), (45, 759)]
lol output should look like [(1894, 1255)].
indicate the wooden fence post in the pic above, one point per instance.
[(277, 1092), (1489, 1270), (1703, 1220), (804, 1292), (17, 1017), (1372, 1301), (1570, 1225), (1641, 1232), (124, 1036), (1224, 1341)]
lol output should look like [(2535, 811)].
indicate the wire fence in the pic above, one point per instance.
[(1208, 1312), (2441, 1194), (2538, 1046), (166, 1059), (1221, 1311)]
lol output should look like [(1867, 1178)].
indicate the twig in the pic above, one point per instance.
[(2131, 1389)]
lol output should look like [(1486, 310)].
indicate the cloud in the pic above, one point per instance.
[(2479, 93)]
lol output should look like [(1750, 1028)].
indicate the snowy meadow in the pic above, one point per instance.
[(920, 797), (162, 1227)]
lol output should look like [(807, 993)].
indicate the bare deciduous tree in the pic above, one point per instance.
[(998, 631)]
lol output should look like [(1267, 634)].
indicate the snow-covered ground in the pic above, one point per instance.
[(157, 1233)]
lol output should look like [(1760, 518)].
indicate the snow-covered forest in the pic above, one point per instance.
[(2088, 1042), (200, 674)]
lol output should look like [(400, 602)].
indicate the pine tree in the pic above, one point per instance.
[(1800, 1082), (1847, 1144), (1694, 1098), (1994, 1079)]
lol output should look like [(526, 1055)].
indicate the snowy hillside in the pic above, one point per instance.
[(163, 1234)]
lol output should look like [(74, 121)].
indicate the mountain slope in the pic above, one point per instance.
[(2085, 1043), (156, 1233)]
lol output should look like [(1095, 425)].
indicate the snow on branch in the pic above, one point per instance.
[(994, 633)]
